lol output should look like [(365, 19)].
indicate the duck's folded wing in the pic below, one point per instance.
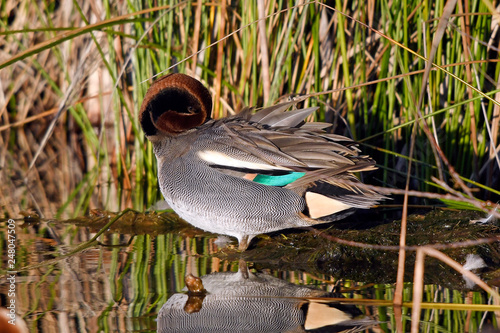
[(285, 152), (247, 154), (316, 165)]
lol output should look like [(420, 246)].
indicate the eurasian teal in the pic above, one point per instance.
[(249, 174)]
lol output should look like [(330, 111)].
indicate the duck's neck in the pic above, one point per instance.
[(171, 147)]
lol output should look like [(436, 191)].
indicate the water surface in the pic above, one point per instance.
[(131, 278)]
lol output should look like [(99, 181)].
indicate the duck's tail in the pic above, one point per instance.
[(331, 197)]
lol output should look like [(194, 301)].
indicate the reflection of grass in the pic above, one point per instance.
[(124, 284)]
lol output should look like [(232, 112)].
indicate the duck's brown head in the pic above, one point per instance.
[(173, 104)]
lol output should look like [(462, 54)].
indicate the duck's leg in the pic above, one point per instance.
[(244, 241)]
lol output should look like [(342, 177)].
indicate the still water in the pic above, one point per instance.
[(132, 278)]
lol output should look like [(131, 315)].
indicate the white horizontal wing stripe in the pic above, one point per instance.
[(218, 158)]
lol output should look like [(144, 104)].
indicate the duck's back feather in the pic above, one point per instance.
[(274, 147)]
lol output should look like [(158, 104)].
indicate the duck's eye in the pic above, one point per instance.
[(191, 110)]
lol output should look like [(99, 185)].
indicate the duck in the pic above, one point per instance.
[(251, 173)]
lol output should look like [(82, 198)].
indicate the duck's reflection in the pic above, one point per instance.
[(254, 302)]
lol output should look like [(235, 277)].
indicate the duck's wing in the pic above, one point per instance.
[(277, 148), (275, 141)]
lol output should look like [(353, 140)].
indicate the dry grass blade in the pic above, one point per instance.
[(398, 293), (74, 33), (436, 40), (264, 51), (418, 289), (492, 9), (438, 36), (196, 36), (76, 84)]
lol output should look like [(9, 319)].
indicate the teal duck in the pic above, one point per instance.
[(249, 174)]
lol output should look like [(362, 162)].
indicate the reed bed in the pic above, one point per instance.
[(74, 74)]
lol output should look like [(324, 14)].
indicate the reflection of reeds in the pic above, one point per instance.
[(118, 284)]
